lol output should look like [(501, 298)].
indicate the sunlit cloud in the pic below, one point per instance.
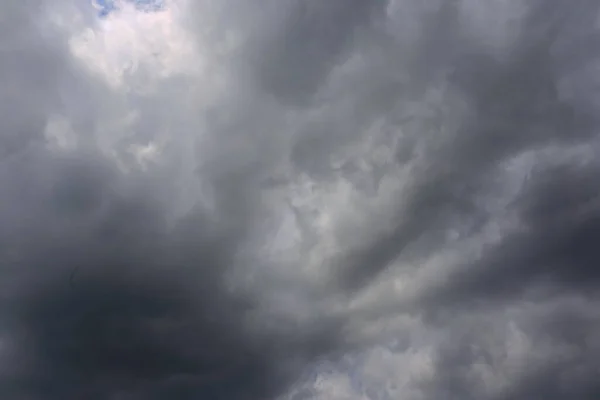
[(130, 43)]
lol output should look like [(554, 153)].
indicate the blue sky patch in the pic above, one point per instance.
[(105, 7)]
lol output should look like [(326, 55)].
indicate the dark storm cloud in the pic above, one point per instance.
[(518, 103), (556, 246), (520, 109), (103, 295), (553, 353), (313, 38), (515, 108), (123, 282), (103, 298)]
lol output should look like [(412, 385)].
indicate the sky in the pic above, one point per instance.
[(299, 200), (106, 7)]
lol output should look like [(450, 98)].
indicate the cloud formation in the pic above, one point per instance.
[(299, 200)]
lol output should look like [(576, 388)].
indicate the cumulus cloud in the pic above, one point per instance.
[(299, 199)]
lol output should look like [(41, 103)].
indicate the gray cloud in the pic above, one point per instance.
[(107, 299), (313, 38), (380, 199)]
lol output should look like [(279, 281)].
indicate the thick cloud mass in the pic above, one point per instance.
[(292, 199)]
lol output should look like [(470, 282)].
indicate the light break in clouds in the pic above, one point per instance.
[(299, 199)]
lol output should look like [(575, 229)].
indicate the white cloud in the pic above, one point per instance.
[(145, 46)]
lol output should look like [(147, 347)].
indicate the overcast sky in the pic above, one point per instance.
[(299, 199)]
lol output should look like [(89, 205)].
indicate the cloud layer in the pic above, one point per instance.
[(299, 200)]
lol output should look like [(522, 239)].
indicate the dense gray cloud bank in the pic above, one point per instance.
[(344, 199)]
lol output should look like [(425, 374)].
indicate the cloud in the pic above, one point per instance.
[(299, 199)]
